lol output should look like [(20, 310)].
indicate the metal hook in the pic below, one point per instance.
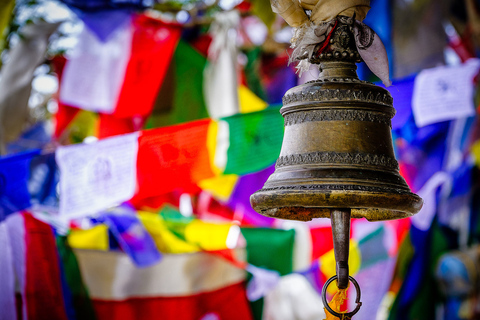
[(348, 315)]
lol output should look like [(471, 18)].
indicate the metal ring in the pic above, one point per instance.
[(357, 300)]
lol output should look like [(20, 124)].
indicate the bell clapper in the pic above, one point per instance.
[(341, 243)]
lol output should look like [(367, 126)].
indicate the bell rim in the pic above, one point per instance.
[(306, 205)]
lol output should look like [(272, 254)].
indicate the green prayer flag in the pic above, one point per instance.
[(181, 95), (270, 249), (255, 140), (80, 298), (252, 72)]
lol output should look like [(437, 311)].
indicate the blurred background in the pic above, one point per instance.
[(133, 133)]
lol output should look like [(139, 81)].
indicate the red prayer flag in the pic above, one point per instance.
[(322, 241), (153, 46), (225, 303), (65, 114), (172, 158), (43, 286)]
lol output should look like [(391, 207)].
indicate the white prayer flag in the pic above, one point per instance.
[(94, 74), (220, 75), (96, 176), (444, 93)]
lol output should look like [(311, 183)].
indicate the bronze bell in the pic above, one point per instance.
[(337, 159)]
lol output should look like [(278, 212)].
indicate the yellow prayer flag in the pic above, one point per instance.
[(221, 187), (95, 238), (165, 240), (208, 236), (249, 102)]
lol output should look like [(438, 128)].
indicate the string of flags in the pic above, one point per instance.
[(153, 159)]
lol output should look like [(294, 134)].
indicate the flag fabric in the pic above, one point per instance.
[(16, 233), (97, 176), (43, 180), (255, 140), (35, 137), (94, 238), (240, 199), (81, 304), (107, 76), (99, 5), (248, 101), (187, 286), (132, 236), (221, 73), (153, 45), (109, 125), (65, 114), (43, 284), (181, 97), (104, 23), (7, 275), (14, 175), (280, 258), (293, 298), (93, 75), (172, 158)]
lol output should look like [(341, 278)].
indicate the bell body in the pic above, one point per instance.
[(337, 152)]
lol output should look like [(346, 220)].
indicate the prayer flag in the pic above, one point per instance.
[(255, 140), (437, 90), (14, 174), (43, 181), (132, 236), (182, 286), (43, 285), (16, 233), (279, 244), (248, 101), (97, 176), (95, 238), (105, 22), (78, 293), (181, 95), (99, 5), (65, 114), (172, 158), (240, 199), (221, 73), (122, 75), (93, 75), (153, 45), (7, 275)]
